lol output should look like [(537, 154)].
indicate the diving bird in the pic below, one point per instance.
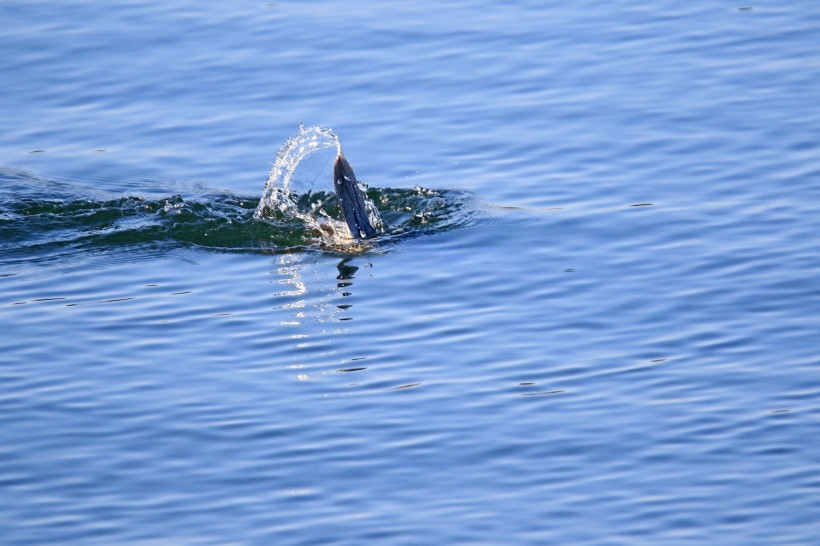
[(353, 202)]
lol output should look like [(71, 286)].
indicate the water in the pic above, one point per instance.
[(604, 331)]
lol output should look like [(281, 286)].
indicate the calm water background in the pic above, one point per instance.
[(561, 367)]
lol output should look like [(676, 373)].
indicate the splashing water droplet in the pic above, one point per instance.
[(304, 194)]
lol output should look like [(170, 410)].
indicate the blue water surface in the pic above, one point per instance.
[(612, 339)]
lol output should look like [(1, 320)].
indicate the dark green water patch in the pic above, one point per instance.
[(35, 221)]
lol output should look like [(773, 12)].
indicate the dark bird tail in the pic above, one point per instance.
[(352, 200)]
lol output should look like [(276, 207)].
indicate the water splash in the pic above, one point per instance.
[(292, 190), (297, 148)]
